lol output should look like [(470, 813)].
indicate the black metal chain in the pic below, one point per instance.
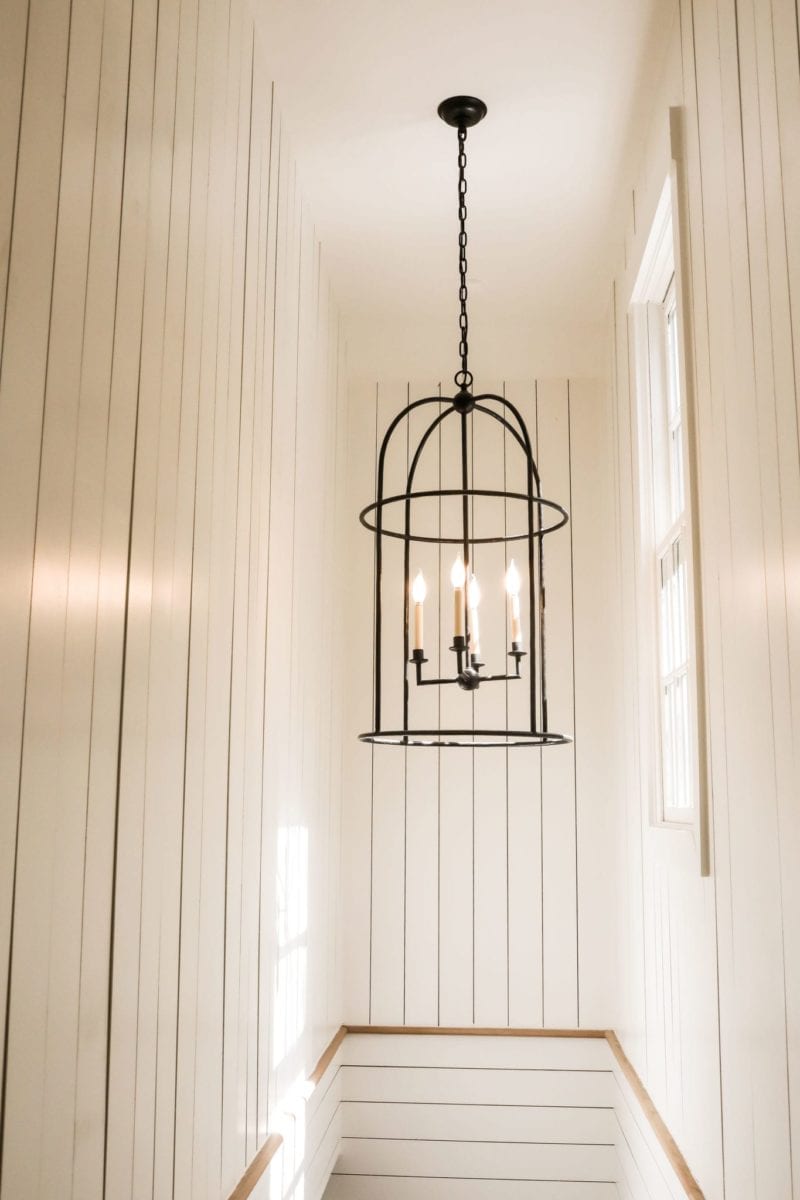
[(463, 378)]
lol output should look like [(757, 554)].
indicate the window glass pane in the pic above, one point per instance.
[(674, 671), (674, 412)]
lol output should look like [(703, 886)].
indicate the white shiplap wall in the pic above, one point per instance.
[(171, 380), (474, 887), (710, 969), (443, 1116)]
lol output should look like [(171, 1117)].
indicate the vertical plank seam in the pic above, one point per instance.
[(232, 637), (97, 587), (574, 729), (190, 613), (247, 294), (405, 750), (13, 218), (439, 723), (372, 747), (541, 771), (167, 262), (126, 618), (267, 625), (263, 524), (472, 751), (505, 689)]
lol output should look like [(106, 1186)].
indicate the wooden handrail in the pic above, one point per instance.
[(326, 1057), (663, 1136), (265, 1154), (257, 1167)]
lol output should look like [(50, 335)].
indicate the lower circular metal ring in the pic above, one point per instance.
[(501, 738)]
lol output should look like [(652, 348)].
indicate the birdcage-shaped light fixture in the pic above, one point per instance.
[(532, 518)]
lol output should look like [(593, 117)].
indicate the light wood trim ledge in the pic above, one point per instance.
[(272, 1145), (476, 1031), (327, 1055), (257, 1167), (663, 1136)]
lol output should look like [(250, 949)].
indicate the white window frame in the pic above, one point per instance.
[(659, 275)]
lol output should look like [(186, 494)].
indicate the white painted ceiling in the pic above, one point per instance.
[(359, 82)]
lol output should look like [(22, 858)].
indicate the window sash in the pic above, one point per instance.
[(665, 521)]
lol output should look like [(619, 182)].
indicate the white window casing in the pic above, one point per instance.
[(671, 673)]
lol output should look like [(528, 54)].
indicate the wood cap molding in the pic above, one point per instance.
[(476, 1031), (656, 1121), (257, 1167), (272, 1145)]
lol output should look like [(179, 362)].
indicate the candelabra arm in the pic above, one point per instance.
[(468, 677)]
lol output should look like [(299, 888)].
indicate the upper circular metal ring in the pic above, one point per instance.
[(561, 518)]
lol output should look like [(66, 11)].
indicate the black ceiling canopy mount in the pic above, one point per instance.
[(462, 112)]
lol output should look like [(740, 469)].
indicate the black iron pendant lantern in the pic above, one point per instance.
[(541, 517)]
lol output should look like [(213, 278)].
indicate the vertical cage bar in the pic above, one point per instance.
[(406, 581), (378, 584), (542, 606), (531, 594), (465, 524)]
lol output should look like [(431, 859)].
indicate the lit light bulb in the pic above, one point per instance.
[(458, 577), (418, 593), (513, 581), (473, 593)]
